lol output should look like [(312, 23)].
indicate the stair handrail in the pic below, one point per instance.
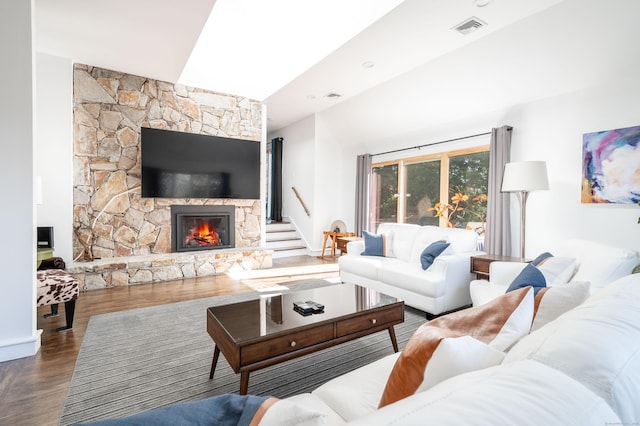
[(304, 206)]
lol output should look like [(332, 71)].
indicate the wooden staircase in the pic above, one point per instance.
[(284, 240)]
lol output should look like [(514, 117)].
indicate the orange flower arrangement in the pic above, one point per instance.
[(447, 211)]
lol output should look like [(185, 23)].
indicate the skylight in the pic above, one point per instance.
[(253, 48)]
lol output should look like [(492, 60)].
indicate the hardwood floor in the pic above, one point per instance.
[(33, 389)]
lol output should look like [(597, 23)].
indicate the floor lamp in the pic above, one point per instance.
[(523, 177)]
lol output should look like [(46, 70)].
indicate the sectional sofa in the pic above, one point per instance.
[(579, 367), (572, 260), (398, 271)]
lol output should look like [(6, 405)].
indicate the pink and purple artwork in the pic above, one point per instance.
[(611, 166)]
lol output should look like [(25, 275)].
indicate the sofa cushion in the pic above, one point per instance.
[(529, 276), (462, 240), (551, 302), (523, 393), (289, 413), (557, 270), (498, 324), (367, 266), (594, 344), (374, 244), (597, 263), (432, 251), (316, 404), (411, 277), (357, 393), (425, 236), (403, 234)]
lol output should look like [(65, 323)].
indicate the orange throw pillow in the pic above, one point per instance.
[(499, 323)]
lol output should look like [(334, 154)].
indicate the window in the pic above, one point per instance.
[(384, 200), (446, 189)]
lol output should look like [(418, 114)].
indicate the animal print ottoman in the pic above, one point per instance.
[(57, 286)]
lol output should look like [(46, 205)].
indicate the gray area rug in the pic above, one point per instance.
[(136, 360)]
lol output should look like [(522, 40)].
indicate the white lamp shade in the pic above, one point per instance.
[(525, 176)]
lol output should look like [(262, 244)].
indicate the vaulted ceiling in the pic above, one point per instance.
[(303, 57)]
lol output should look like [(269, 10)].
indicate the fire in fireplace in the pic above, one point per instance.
[(202, 227), (203, 233)]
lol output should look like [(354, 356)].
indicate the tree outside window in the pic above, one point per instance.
[(414, 191)]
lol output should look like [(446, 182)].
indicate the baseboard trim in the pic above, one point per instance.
[(20, 348)]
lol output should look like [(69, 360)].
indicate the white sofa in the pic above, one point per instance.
[(582, 368), (589, 261), (441, 288)]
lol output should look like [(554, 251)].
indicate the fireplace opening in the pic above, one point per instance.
[(202, 227)]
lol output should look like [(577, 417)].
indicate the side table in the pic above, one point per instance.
[(334, 241), (480, 264), (343, 241)]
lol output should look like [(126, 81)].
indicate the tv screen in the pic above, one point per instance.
[(187, 165)]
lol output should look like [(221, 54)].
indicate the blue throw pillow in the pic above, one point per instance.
[(540, 258), (432, 251), (374, 244), (529, 276)]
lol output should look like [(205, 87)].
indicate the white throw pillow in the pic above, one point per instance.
[(284, 413), (557, 270), (458, 355), (555, 301), (517, 326)]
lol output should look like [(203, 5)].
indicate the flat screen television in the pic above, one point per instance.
[(188, 165)]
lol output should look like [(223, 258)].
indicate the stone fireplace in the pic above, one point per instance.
[(206, 227), (121, 238)]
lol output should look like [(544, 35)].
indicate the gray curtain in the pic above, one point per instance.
[(363, 179), (497, 238)]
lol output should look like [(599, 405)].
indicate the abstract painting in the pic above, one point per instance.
[(611, 166)]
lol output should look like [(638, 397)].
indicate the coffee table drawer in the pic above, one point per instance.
[(260, 351), (371, 320)]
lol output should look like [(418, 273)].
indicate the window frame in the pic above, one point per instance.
[(444, 157)]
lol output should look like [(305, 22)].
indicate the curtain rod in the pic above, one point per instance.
[(434, 143)]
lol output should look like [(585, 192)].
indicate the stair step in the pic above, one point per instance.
[(289, 252), (284, 240), (284, 235), (285, 244), (279, 226)]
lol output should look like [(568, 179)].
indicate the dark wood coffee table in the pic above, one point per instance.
[(266, 331)]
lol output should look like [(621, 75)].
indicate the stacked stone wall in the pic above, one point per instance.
[(122, 271), (110, 218)]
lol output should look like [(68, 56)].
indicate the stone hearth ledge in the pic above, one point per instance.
[(122, 271)]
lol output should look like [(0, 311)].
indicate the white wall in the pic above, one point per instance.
[(329, 181), (298, 166), (18, 334), (550, 130), (54, 149), (576, 66), (313, 164)]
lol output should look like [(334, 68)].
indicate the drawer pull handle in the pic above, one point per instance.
[(374, 321), (293, 344)]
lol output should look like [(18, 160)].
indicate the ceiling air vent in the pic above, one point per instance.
[(469, 25)]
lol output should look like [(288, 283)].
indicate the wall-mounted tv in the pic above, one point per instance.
[(187, 165)]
